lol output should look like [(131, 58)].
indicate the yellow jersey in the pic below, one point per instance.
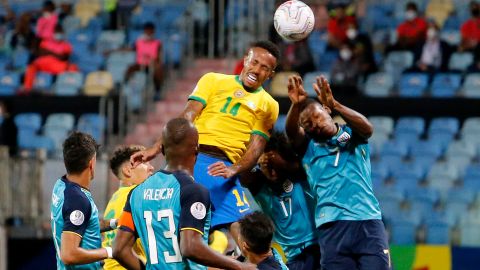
[(114, 210), (231, 114)]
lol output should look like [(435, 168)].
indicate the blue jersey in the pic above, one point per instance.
[(162, 206), (73, 211), (339, 173), (286, 208)]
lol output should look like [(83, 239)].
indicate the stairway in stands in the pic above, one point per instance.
[(173, 104)]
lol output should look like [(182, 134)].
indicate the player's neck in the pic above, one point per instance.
[(82, 179), (258, 258), (178, 166)]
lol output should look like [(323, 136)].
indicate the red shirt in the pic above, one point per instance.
[(338, 27), (46, 26), (471, 29), (238, 67), (415, 29)]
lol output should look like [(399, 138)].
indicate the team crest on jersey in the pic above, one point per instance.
[(198, 210), (239, 93), (344, 137), (77, 217), (287, 186)]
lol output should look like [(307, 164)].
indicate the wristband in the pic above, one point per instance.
[(109, 252), (113, 223)]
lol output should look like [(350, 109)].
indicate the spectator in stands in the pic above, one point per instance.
[(412, 32), (296, 56), (338, 25), (434, 53), (470, 30), (8, 129), (149, 52), (53, 58), (23, 35), (346, 71), (363, 50), (45, 28)]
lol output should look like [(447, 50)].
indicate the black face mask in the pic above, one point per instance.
[(475, 12)]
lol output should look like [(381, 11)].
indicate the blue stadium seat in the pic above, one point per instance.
[(415, 126), (451, 36), (458, 201), (382, 124), (445, 171), (20, 58), (43, 81), (469, 232), (438, 232), (398, 61), (376, 143), (60, 120), (71, 23), (471, 182), (94, 124), (473, 170), (28, 121), (280, 124), (9, 83), (403, 230), (452, 23), (407, 171), (394, 149), (57, 137), (109, 40), (317, 42), (423, 199), (326, 61), (449, 125), (460, 61), (445, 84), (461, 148), (425, 149), (471, 125), (442, 139), (118, 63), (379, 84), (68, 84), (380, 172), (413, 84), (134, 89)]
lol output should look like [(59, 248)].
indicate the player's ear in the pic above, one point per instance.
[(126, 170), (272, 73)]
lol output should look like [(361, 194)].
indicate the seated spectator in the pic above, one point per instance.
[(363, 50), (53, 58), (46, 23), (296, 56), (412, 32), (8, 129), (23, 35), (338, 25), (433, 55), (149, 51), (470, 30), (346, 70)]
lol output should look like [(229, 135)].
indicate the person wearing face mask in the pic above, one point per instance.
[(470, 29), (338, 25), (345, 71), (363, 50), (148, 51), (53, 58), (45, 27), (434, 53), (411, 32)]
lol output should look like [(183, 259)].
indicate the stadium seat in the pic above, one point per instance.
[(379, 84), (462, 149), (118, 63), (460, 61), (94, 124), (110, 40), (469, 232), (457, 201), (278, 87), (412, 125), (412, 172), (68, 84), (473, 170), (326, 61), (422, 199), (449, 125), (471, 85), (438, 232), (452, 37), (376, 143), (28, 121), (425, 149), (471, 125), (88, 61), (20, 59), (442, 139), (134, 89), (382, 124), (9, 83), (98, 83), (394, 149), (43, 81), (445, 84), (310, 78), (471, 182), (396, 62), (60, 120), (413, 84), (403, 230), (380, 172), (71, 23)]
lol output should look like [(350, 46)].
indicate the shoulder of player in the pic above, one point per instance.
[(75, 192)]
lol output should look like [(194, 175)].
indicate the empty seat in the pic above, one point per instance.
[(94, 124), (410, 125), (407, 170), (379, 84), (461, 148), (449, 125), (396, 62), (382, 124), (471, 125), (413, 84), (471, 85), (110, 40), (28, 121), (134, 89), (423, 199), (68, 84), (326, 61), (460, 61), (425, 149), (403, 229), (394, 149), (43, 81), (445, 84), (451, 36), (376, 142), (98, 83), (60, 120), (438, 232), (469, 232), (9, 82), (118, 63)]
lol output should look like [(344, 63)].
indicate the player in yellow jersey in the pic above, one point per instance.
[(129, 178), (234, 116)]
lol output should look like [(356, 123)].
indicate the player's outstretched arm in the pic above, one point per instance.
[(192, 110), (357, 121), (193, 248), (297, 95), (122, 250), (245, 163), (72, 254)]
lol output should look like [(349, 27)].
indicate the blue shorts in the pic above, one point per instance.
[(347, 244), (309, 259), (227, 195)]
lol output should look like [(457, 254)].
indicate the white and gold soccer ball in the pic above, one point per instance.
[(294, 20)]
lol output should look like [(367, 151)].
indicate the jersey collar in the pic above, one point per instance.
[(237, 78)]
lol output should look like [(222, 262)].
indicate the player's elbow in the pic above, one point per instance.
[(67, 258), (189, 247)]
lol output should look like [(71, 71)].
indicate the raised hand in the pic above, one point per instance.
[(296, 93), (324, 92), (143, 156)]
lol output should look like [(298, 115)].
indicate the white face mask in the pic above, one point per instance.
[(410, 15), (345, 54), (431, 33), (352, 33)]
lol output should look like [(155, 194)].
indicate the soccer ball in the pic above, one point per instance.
[(293, 20)]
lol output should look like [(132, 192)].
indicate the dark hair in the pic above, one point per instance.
[(78, 149), (122, 155), (148, 26), (49, 5), (175, 133), (257, 230), (279, 142), (307, 102), (269, 46), (411, 5)]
